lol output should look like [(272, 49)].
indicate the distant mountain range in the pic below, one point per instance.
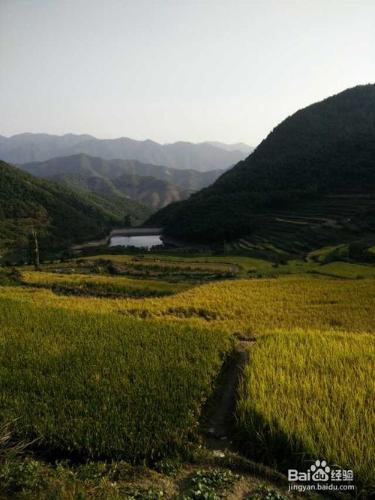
[(317, 168), (152, 185), (238, 146), (25, 148), (59, 214)]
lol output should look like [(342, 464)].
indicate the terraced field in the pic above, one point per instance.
[(96, 364), (239, 305), (100, 285), (318, 223)]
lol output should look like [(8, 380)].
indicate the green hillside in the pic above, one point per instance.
[(83, 164), (59, 214), (149, 191), (153, 185), (318, 164)]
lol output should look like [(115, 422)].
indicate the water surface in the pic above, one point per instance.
[(146, 241)]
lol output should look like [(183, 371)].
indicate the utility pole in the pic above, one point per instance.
[(35, 249)]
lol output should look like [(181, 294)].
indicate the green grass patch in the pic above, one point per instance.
[(329, 253), (212, 484), (347, 270)]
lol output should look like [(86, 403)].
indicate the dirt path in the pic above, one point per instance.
[(218, 418)]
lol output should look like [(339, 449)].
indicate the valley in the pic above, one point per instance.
[(190, 333), (152, 185), (187, 250)]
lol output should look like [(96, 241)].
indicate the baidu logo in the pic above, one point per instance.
[(320, 471), (321, 477)]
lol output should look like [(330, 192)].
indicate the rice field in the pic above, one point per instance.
[(109, 366), (165, 267), (346, 270), (255, 306), (103, 386), (99, 285), (309, 394)]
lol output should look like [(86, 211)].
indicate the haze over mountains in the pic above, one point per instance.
[(25, 148), (89, 195), (154, 185), (311, 179), (319, 162)]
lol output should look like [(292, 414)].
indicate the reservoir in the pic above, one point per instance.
[(139, 241), (139, 237)]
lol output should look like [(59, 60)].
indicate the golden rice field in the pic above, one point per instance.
[(253, 306), (99, 284), (311, 394), (127, 376)]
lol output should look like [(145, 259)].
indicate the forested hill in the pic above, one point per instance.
[(152, 185), (59, 214), (326, 149), (85, 166)]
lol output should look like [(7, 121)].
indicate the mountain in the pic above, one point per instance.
[(28, 147), (25, 148), (317, 168), (188, 180), (152, 185), (238, 146), (60, 215), (149, 191)]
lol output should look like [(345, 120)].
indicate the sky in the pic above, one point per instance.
[(169, 70)]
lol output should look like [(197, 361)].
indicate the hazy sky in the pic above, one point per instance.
[(227, 70)]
